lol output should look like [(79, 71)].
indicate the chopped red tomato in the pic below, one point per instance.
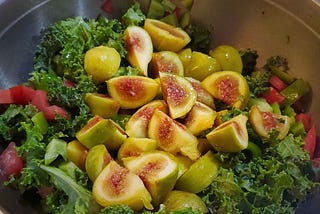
[(40, 100), (107, 6), (305, 119), (21, 94), (51, 111), (310, 141), (5, 96), (277, 83), (273, 96), (10, 163)]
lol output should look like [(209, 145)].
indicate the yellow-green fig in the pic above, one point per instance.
[(178, 93), (172, 136), (77, 153), (97, 131), (181, 200), (133, 146), (132, 91), (117, 185), (158, 171), (230, 136), (137, 125), (98, 157), (102, 105), (199, 175)]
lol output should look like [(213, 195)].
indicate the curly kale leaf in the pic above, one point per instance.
[(200, 38), (249, 60), (64, 44), (275, 182), (133, 16), (258, 83)]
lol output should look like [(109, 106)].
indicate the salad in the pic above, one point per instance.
[(139, 115)]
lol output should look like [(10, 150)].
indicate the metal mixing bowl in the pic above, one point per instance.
[(285, 27)]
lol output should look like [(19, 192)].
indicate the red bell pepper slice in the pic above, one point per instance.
[(310, 142), (5, 96), (273, 96)]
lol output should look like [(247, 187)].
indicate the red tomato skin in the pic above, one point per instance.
[(51, 111), (277, 83), (310, 142), (305, 119), (21, 94), (5, 96), (107, 6), (40, 100), (273, 96), (10, 163)]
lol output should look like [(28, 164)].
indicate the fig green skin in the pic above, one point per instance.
[(228, 57), (97, 158), (180, 200), (102, 63), (96, 131), (203, 171), (158, 170), (201, 65)]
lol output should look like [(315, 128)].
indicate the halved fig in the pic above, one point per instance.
[(264, 122), (117, 138), (203, 171), (184, 164), (137, 125), (199, 118), (98, 157), (166, 61), (97, 131), (139, 47), (166, 37), (158, 170), (228, 86), (172, 136), (77, 153), (132, 91), (178, 93), (117, 185), (133, 146), (202, 95), (102, 105), (179, 200), (230, 136), (200, 66)]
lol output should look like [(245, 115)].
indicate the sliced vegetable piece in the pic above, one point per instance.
[(11, 163), (22, 94), (277, 83), (305, 119), (310, 142), (284, 76), (5, 96), (295, 91), (273, 96)]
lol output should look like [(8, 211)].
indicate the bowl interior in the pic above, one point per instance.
[(270, 27)]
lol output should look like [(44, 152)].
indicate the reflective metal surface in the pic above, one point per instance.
[(287, 27)]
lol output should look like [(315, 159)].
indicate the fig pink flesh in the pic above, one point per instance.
[(228, 89)]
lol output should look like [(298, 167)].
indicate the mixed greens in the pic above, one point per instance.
[(271, 175)]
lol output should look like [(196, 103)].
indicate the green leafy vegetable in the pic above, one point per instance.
[(55, 148), (249, 60), (79, 199), (133, 16), (200, 38)]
